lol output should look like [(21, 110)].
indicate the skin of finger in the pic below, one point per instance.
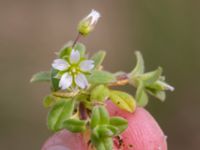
[(143, 132), (65, 140)]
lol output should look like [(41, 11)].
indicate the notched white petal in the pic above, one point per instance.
[(74, 56), (81, 81), (60, 64), (65, 81), (87, 65)]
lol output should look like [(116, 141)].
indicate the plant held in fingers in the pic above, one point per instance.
[(80, 89)]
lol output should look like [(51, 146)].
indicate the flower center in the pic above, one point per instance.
[(74, 69)]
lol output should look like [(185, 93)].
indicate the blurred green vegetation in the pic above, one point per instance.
[(166, 32)]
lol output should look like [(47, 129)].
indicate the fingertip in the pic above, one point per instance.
[(143, 132)]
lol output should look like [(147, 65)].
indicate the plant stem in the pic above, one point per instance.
[(121, 80), (77, 38), (65, 94), (82, 110)]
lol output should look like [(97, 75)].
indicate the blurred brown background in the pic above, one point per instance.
[(167, 32)]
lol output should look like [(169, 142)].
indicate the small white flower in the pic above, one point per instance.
[(94, 16), (88, 23), (72, 70)]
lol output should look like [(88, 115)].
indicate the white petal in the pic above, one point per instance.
[(74, 56), (87, 65), (60, 64), (81, 81), (95, 15), (65, 81)]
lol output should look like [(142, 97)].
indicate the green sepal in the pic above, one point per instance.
[(75, 125), (141, 95), (156, 86), (99, 93), (151, 77), (49, 101), (101, 77), (54, 80), (61, 111), (98, 58), (99, 116), (161, 95), (84, 28), (43, 76), (120, 123), (123, 100)]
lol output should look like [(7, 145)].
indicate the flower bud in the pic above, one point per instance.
[(88, 23)]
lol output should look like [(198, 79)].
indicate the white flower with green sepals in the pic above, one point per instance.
[(72, 70)]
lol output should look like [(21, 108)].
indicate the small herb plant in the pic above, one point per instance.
[(80, 89)]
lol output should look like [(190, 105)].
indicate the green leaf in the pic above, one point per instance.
[(114, 129), (103, 131), (75, 125), (104, 116), (81, 48), (119, 123), (100, 93), (98, 58), (141, 96), (104, 144), (59, 113), (95, 118), (41, 77), (139, 68), (99, 116), (123, 100), (49, 101), (151, 77), (54, 80), (65, 50), (101, 77)]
